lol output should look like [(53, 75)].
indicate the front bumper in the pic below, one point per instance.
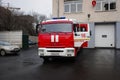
[(12, 51), (63, 52)]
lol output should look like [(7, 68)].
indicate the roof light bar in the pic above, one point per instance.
[(59, 18)]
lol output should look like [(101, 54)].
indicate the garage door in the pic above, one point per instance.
[(105, 35)]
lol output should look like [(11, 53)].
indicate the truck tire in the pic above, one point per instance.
[(2, 52), (72, 59), (47, 59)]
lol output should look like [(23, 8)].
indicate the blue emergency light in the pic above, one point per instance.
[(59, 18)]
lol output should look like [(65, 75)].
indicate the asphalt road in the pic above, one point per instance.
[(91, 64)]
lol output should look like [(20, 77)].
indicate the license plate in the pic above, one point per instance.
[(55, 54)]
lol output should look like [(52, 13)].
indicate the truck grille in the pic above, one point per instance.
[(54, 50)]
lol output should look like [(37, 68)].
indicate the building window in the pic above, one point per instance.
[(67, 9), (105, 5), (72, 6), (112, 5), (79, 7)]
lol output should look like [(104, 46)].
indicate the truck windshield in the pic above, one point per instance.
[(63, 27)]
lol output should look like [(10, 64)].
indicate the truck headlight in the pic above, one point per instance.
[(70, 51), (41, 51)]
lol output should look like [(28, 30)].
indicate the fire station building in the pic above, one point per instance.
[(103, 17)]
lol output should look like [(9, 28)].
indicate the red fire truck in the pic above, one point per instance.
[(60, 37)]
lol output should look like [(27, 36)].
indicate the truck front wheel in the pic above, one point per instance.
[(46, 59)]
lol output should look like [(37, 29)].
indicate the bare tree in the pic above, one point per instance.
[(5, 18), (38, 17), (10, 21), (16, 12)]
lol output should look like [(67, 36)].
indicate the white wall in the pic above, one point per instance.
[(14, 37)]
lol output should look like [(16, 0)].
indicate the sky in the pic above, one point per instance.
[(40, 6)]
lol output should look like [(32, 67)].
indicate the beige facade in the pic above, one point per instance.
[(104, 20), (87, 8)]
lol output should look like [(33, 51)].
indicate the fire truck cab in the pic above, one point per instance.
[(60, 37)]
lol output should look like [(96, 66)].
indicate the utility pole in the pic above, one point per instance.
[(58, 9)]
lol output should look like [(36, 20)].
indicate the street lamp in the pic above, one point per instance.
[(13, 8)]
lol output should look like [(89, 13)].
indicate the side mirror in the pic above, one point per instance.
[(37, 28)]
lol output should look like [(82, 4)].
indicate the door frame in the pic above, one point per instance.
[(102, 23)]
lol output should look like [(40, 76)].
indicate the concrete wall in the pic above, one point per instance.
[(96, 16), (91, 43), (54, 8), (118, 35), (13, 37)]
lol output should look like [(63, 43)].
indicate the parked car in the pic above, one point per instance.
[(7, 48), (31, 42)]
